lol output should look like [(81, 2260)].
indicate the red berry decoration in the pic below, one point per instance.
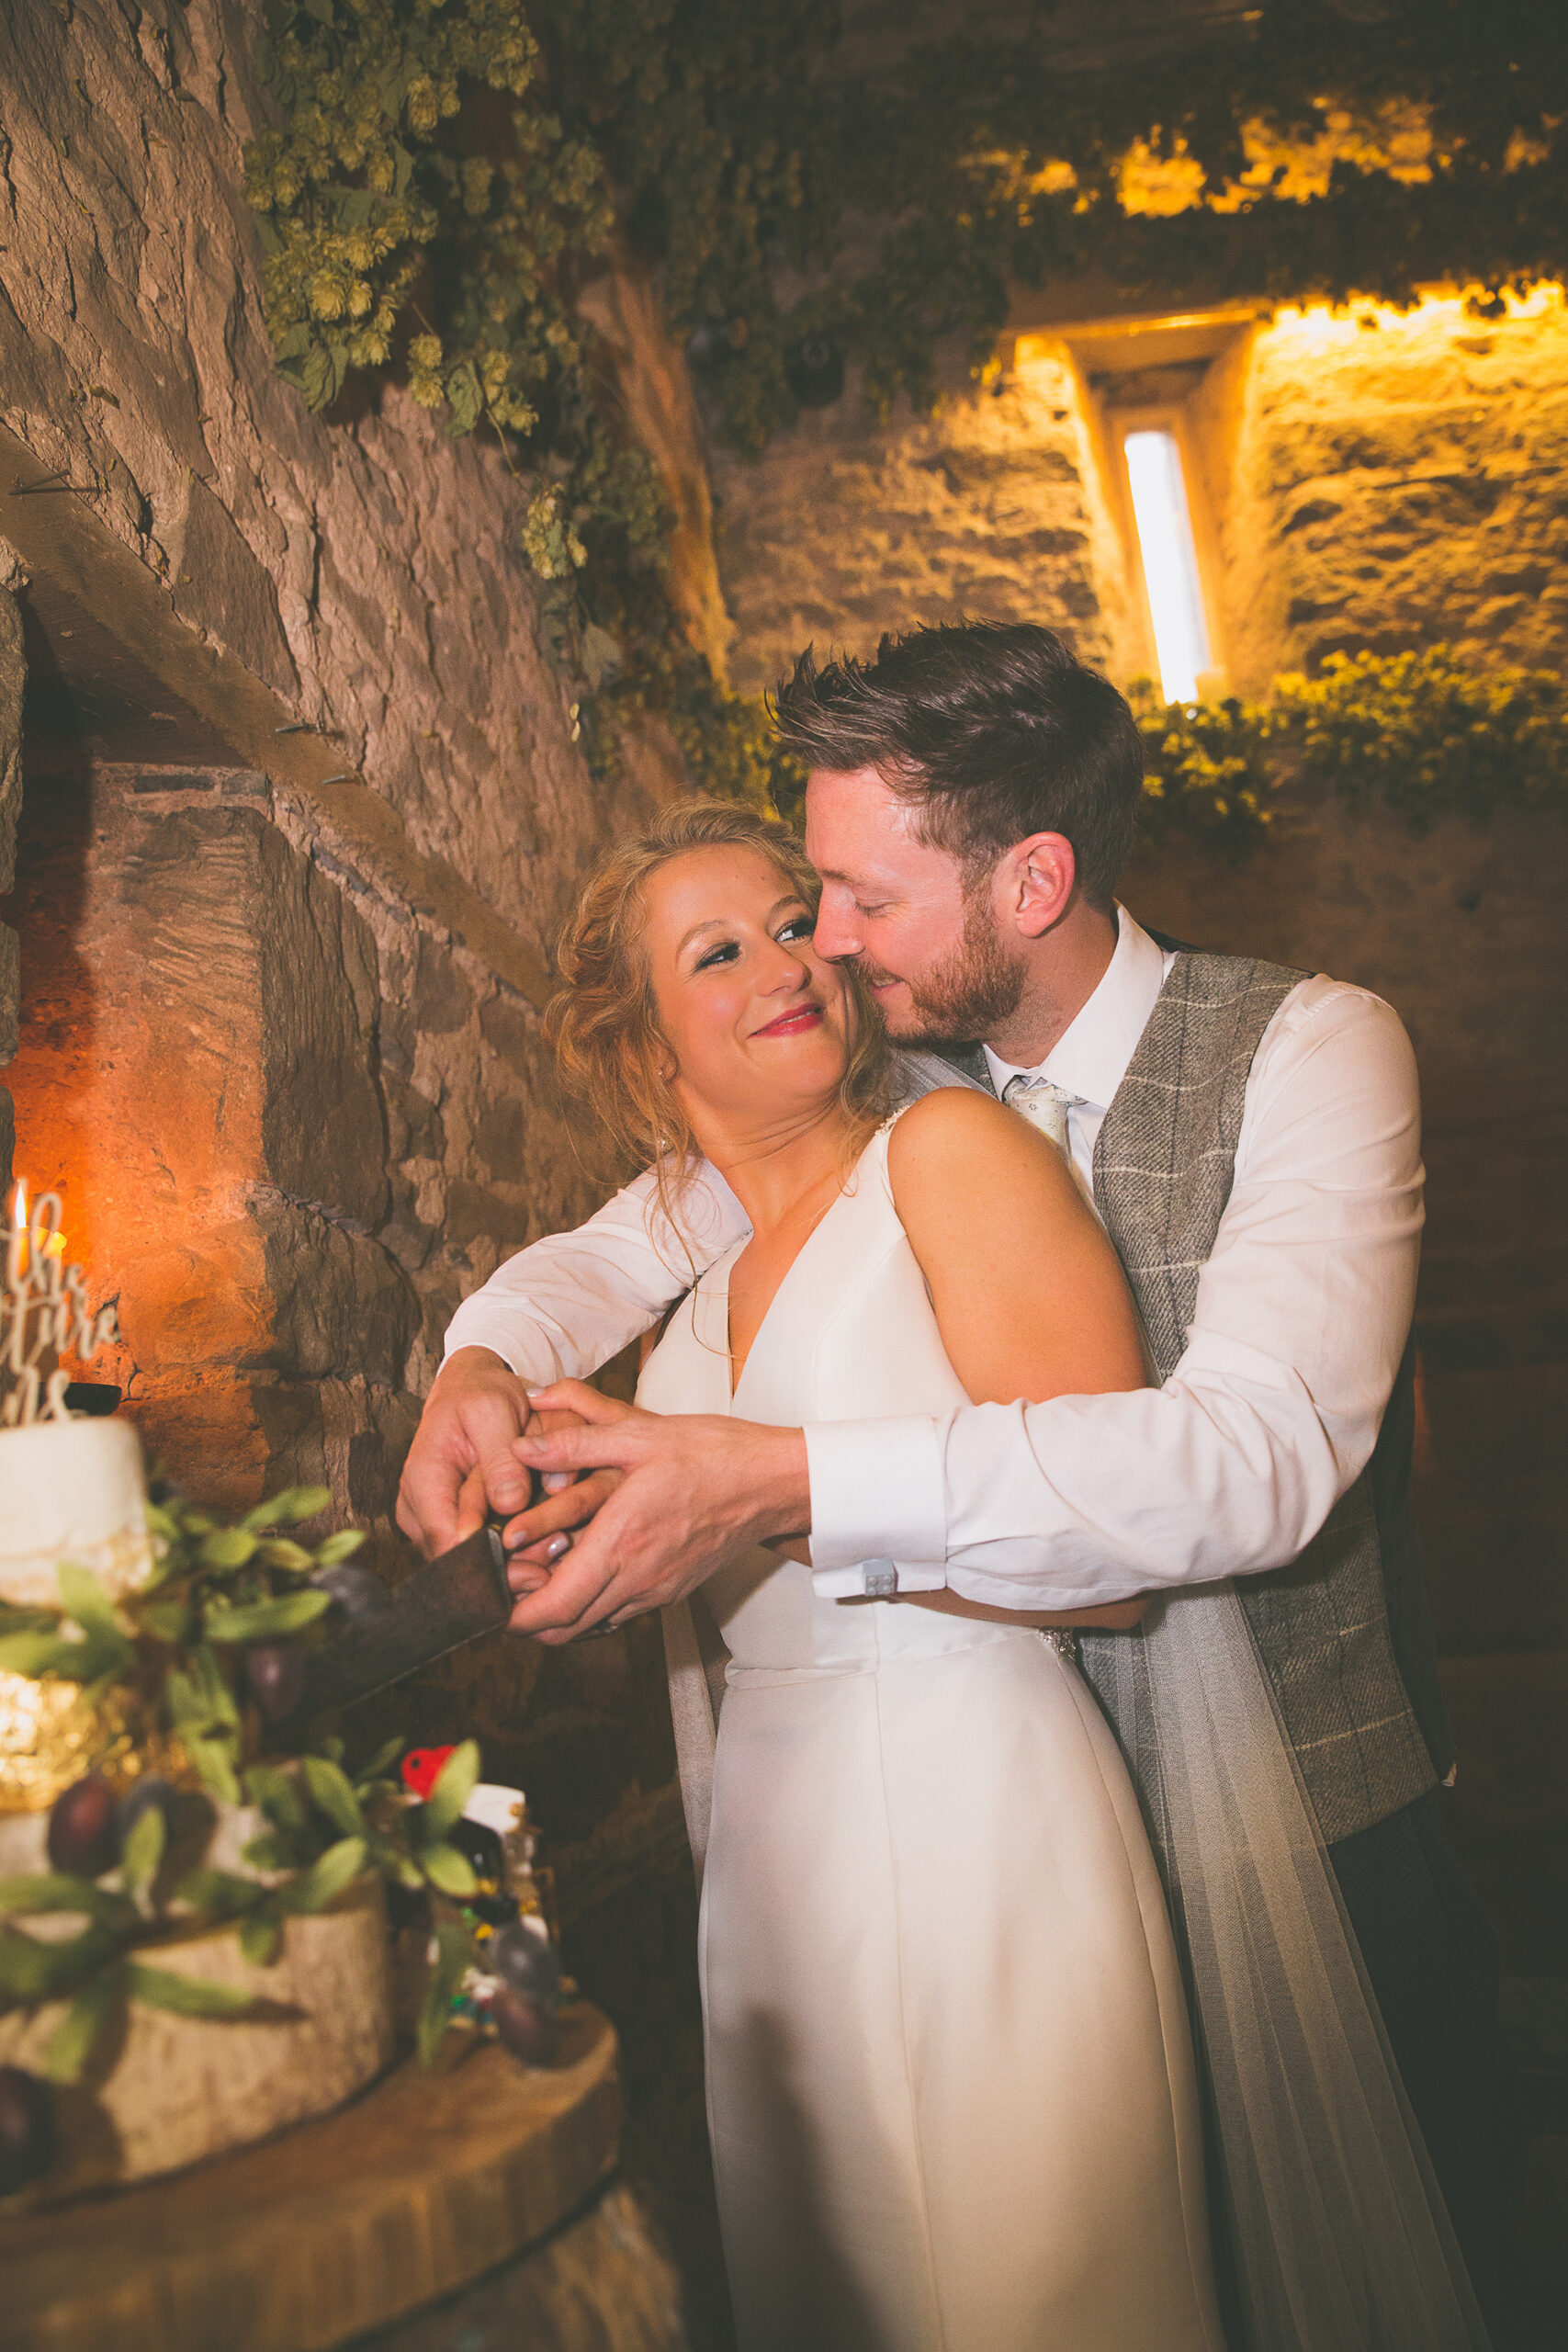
[(26, 2129), (422, 1769), (275, 1673), (84, 1828), (531, 2029)]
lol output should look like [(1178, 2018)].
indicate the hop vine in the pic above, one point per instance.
[(444, 176)]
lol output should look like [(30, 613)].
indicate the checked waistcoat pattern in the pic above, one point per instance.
[(1344, 1631)]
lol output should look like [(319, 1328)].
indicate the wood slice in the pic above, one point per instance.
[(341, 2225)]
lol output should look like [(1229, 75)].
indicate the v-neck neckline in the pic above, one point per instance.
[(733, 1378)]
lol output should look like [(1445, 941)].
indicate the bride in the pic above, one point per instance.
[(950, 2081)]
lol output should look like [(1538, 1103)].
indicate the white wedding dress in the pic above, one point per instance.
[(950, 2078)]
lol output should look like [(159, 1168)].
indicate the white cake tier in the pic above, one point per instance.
[(71, 1490)]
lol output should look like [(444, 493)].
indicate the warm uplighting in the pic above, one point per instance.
[(1320, 326), (1170, 561)]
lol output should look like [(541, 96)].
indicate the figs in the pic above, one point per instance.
[(152, 1794), (530, 2028), (524, 1961), (358, 1592), (84, 1828), (274, 1672), (26, 2129)]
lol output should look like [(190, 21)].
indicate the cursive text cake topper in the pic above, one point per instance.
[(44, 1314)]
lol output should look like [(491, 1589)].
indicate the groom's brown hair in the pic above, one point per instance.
[(993, 729)]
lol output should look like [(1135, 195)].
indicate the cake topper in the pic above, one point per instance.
[(44, 1314)]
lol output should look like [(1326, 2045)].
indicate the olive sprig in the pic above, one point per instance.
[(324, 1832), (209, 1651), (211, 1640)]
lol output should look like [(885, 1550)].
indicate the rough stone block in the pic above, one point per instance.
[(219, 585), (341, 1304)]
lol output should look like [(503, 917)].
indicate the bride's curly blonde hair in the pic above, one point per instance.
[(605, 1023)]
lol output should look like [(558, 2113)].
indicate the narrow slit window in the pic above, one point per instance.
[(1170, 563)]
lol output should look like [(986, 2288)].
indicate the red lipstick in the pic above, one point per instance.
[(792, 1024)]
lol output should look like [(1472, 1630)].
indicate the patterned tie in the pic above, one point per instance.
[(1043, 1103)]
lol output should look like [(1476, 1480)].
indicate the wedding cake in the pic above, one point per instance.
[(177, 1846), (71, 1490)]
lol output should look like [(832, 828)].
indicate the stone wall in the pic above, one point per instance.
[(13, 680), (991, 509), (1388, 480), (1373, 480), (368, 570)]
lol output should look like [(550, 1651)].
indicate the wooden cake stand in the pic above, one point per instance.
[(342, 2224)]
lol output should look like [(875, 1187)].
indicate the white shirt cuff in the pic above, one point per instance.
[(877, 1503), (481, 1323)]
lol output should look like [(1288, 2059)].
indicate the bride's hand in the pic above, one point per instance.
[(696, 1488), (537, 1538)]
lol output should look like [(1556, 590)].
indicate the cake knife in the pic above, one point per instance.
[(451, 1601)]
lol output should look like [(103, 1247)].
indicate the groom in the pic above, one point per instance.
[(1251, 1138)]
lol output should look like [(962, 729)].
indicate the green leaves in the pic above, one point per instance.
[(454, 1784), (37, 1654), (331, 1794), (1429, 733), (375, 1766), (143, 1853), (448, 1870), (32, 1970), (261, 1939), (44, 1892), (202, 1710), (466, 394), (103, 1650), (288, 1508), (326, 1879), (219, 1895), (281, 1552), (227, 1547), (339, 1548), (277, 1794), (453, 1952), (1418, 729), (72, 2043), (188, 1996), (265, 1621)]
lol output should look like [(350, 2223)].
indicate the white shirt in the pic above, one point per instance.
[(1231, 1467)]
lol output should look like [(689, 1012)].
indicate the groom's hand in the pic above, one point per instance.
[(694, 1489), (461, 1465)]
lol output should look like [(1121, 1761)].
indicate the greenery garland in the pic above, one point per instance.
[(445, 174), (1417, 731)]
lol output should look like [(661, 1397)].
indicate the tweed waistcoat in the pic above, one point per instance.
[(1344, 1631)]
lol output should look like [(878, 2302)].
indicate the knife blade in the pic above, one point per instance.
[(449, 1601)]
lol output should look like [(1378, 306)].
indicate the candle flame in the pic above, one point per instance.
[(25, 1243)]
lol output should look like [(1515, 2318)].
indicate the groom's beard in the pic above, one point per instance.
[(971, 994)]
